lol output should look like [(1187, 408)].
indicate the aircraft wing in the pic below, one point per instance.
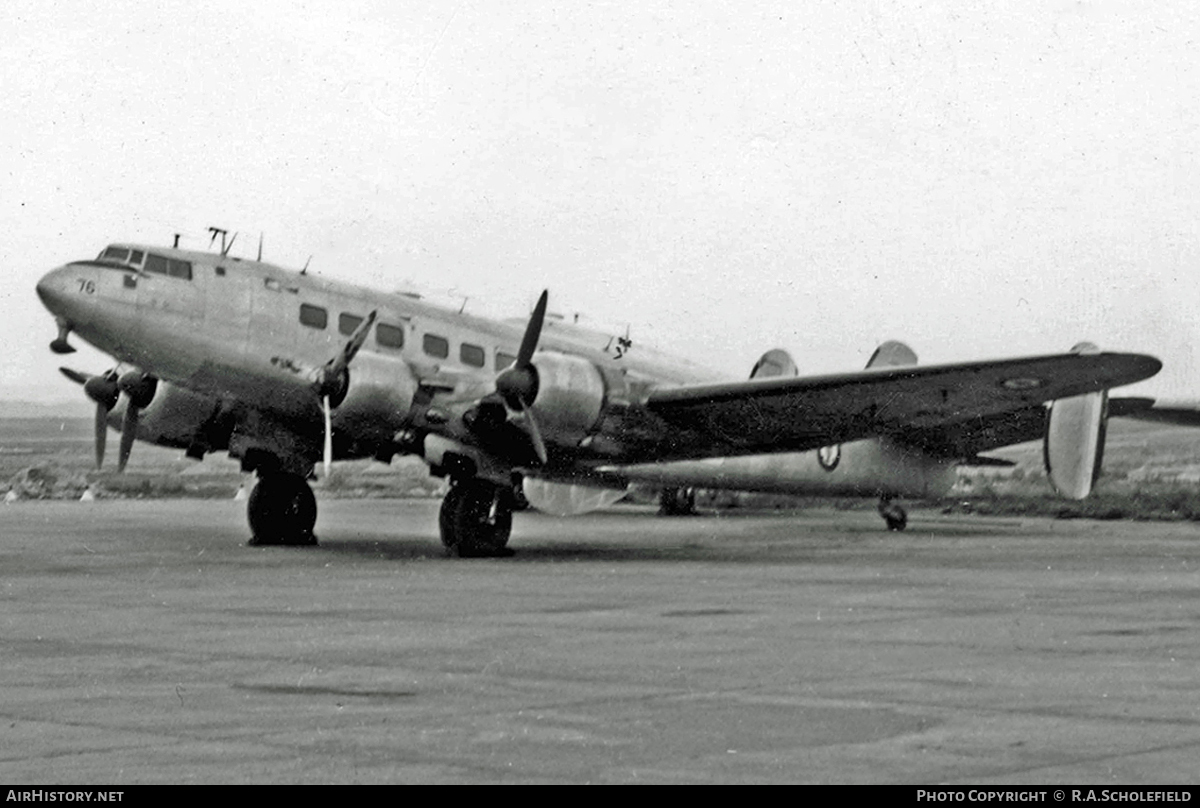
[(975, 405)]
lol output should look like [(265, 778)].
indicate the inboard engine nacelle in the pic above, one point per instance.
[(571, 394)]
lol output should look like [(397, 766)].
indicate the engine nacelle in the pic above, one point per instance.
[(570, 396), (378, 399), (1074, 446), (172, 416)]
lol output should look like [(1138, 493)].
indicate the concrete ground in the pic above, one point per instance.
[(145, 642)]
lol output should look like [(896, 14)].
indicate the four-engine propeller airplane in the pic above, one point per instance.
[(283, 370)]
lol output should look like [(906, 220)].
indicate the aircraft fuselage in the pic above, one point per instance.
[(244, 340)]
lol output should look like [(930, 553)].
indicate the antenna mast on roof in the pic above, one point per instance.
[(218, 231)]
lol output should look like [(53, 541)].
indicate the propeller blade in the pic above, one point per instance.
[(102, 390), (328, 453), (75, 375), (329, 376), (518, 384), (535, 434), (101, 433), (129, 425), (533, 331)]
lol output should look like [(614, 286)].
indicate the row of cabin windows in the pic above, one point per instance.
[(392, 336), (149, 262)]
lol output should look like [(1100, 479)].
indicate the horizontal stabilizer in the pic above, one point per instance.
[(1179, 413), (984, 461), (1129, 407)]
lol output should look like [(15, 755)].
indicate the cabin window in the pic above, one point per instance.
[(504, 360), (313, 316), (389, 336), (136, 257), (348, 322), (437, 347), (219, 270), (471, 355)]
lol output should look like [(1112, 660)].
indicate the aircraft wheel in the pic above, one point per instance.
[(677, 502), (519, 501), (476, 519), (895, 516), (282, 511)]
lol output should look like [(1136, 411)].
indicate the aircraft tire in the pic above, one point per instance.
[(677, 502), (895, 517), (282, 511), (476, 519)]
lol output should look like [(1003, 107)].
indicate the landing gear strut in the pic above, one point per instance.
[(476, 519), (677, 502), (894, 515), (282, 511)]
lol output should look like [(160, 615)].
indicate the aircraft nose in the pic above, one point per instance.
[(52, 290)]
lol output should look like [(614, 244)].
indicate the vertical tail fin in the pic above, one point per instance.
[(1074, 447), (776, 362), (892, 354)]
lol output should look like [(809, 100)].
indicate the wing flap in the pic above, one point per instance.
[(796, 414)]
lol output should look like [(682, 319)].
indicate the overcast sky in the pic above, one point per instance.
[(977, 179)]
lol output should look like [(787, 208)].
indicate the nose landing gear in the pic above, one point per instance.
[(60, 344)]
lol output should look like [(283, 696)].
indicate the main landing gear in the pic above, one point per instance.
[(677, 502), (895, 516), (476, 519), (282, 511)]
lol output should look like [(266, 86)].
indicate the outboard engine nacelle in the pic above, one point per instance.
[(1074, 446)]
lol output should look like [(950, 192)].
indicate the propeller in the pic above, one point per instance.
[(332, 380), (139, 388), (518, 384), (104, 391)]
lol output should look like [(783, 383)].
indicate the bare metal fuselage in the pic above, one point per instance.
[(236, 330)]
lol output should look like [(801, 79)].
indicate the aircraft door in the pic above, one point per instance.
[(227, 306)]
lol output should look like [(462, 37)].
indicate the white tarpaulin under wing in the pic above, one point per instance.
[(568, 499)]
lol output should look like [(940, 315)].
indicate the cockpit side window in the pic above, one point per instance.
[(156, 264), (115, 254), (172, 267)]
